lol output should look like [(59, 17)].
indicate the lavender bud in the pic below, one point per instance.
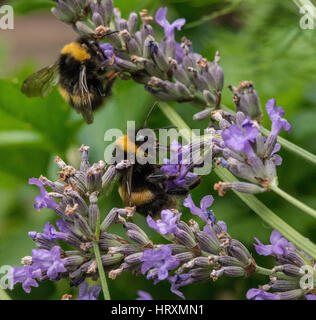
[(125, 65), (295, 258), (94, 211), (289, 270), (136, 234), (283, 285), (109, 259), (232, 271), (108, 240), (208, 243), (83, 28), (73, 261), (81, 226), (183, 226), (246, 100), (239, 251), (132, 23), (291, 295), (158, 57), (177, 248), (64, 12), (108, 176), (110, 219), (125, 249), (134, 258), (226, 261), (206, 113), (131, 44), (41, 241), (186, 239), (109, 9), (84, 165), (184, 257), (97, 19), (200, 274)]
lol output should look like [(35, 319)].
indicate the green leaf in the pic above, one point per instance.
[(19, 137), (23, 7), (48, 118)]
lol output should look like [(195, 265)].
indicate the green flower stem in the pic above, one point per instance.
[(294, 201), (4, 295), (96, 248), (257, 206), (104, 284), (285, 143)]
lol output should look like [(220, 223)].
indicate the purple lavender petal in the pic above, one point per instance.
[(88, 294), (49, 261), (160, 259), (143, 295), (167, 223), (43, 200), (24, 275), (257, 294), (276, 115)]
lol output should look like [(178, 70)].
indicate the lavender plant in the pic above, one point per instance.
[(81, 246)]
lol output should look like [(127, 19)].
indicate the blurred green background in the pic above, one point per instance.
[(258, 40)]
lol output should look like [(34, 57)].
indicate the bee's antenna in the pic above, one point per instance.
[(168, 127), (149, 114)]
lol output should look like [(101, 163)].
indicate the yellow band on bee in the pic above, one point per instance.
[(137, 198), (125, 144), (76, 51)]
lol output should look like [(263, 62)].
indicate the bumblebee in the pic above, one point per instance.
[(81, 74), (144, 185)]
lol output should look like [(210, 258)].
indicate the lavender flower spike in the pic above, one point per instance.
[(43, 200), (86, 293), (203, 212), (160, 259)]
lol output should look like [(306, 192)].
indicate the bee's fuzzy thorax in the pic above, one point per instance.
[(125, 144), (76, 51)]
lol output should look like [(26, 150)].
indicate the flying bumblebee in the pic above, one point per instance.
[(144, 185), (81, 74)]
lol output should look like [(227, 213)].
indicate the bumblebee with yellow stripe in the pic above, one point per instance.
[(82, 74), (142, 184)]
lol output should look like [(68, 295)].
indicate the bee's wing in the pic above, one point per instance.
[(129, 184), (86, 108), (41, 83)]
